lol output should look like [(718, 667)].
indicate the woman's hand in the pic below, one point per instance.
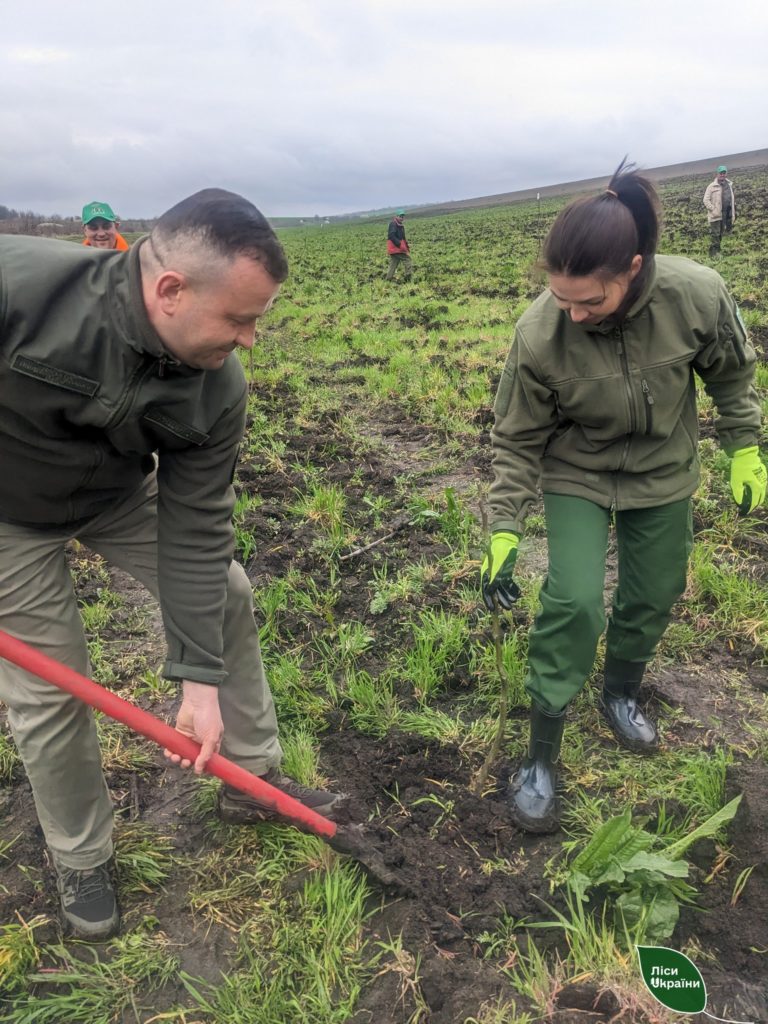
[(748, 479), (496, 571)]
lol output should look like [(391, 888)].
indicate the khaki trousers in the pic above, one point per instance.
[(55, 733), (395, 260)]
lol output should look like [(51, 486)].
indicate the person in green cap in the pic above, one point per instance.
[(398, 248), (597, 406), (100, 227), (721, 208)]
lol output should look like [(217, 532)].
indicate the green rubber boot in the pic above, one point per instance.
[(621, 685), (534, 802)]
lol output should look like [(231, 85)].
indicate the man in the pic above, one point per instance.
[(100, 227), (103, 365), (397, 247), (721, 208)]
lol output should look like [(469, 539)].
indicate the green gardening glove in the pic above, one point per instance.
[(498, 581), (747, 479)]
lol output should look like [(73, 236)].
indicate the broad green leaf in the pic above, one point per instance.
[(712, 825), (578, 883), (644, 861), (672, 979), (656, 913), (613, 872), (636, 839), (603, 843)]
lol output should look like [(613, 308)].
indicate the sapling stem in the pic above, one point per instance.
[(478, 783)]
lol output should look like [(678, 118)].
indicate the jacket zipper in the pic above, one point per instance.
[(129, 395), (649, 403), (630, 398)]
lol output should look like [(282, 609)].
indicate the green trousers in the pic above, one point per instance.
[(654, 545), (55, 733)]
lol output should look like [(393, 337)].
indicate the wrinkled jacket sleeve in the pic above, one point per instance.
[(726, 363), (195, 547), (525, 416)]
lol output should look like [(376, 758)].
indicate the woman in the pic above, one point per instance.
[(597, 402)]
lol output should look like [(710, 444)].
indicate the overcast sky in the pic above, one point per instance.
[(328, 106)]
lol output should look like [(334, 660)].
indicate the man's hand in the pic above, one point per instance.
[(496, 571), (199, 718), (748, 479)]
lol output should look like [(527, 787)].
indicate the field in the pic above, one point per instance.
[(361, 490)]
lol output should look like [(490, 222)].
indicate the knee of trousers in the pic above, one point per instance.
[(52, 719), (239, 591), (239, 612), (666, 592), (579, 609)]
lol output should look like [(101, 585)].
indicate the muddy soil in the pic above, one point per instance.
[(461, 861), (462, 864)]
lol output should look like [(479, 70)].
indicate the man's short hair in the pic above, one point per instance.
[(229, 224)]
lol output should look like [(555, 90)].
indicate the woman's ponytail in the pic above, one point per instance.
[(600, 235)]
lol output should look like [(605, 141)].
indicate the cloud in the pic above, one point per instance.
[(336, 105), (40, 55)]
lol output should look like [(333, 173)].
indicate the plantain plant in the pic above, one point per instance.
[(640, 875)]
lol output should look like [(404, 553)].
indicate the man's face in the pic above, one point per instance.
[(210, 320), (102, 234), (721, 176)]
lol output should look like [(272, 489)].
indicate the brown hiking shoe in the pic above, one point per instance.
[(238, 808)]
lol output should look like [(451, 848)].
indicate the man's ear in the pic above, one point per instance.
[(169, 287)]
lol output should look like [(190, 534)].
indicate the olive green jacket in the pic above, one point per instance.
[(608, 412), (87, 394)]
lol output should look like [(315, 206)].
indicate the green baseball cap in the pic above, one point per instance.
[(93, 210), (399, 213), (722, 169)]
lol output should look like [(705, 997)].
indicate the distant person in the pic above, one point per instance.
[(721, 208), (100, 228), (597, 407), (398, 248)]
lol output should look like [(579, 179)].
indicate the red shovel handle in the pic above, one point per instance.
[(164, 735)]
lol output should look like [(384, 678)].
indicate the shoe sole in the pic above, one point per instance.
[(635, 748), (75, 931), (535, 826)]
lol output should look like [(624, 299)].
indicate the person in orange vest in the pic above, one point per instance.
[(100, 227), (397, 247)]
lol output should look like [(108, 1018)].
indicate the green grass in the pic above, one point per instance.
[(396, 384), (93, 991), (303, 960), (143, 858), (10, 762)]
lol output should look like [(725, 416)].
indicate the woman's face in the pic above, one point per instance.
[(589, 300)]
